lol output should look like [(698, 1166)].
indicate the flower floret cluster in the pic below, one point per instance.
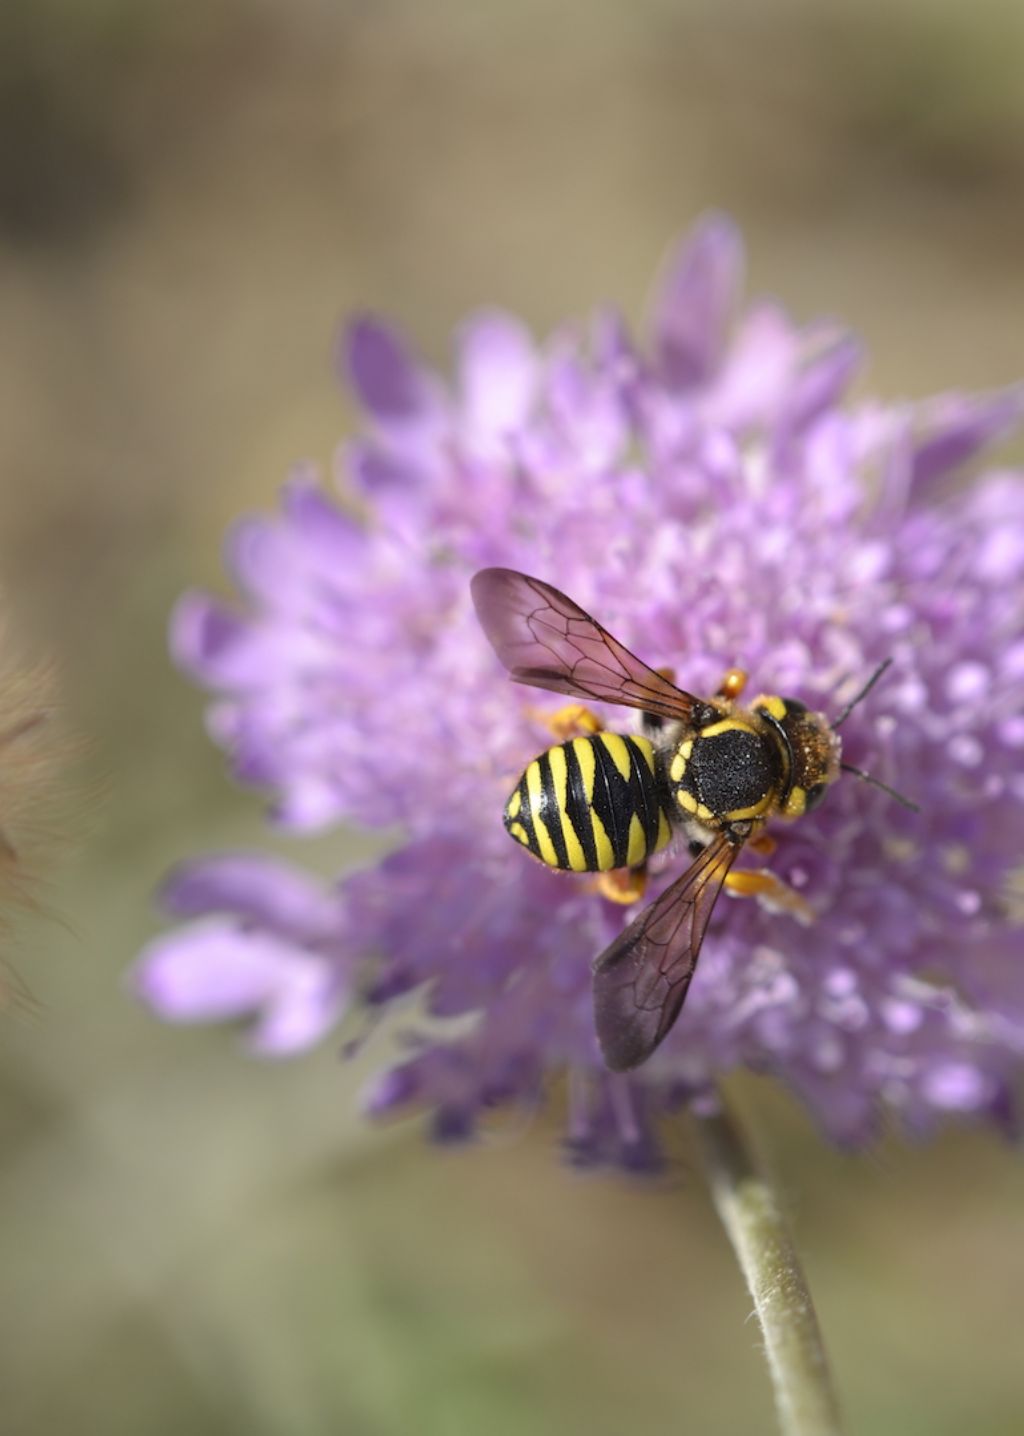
[(713, 496)]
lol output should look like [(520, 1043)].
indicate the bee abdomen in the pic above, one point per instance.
[(591, 804)]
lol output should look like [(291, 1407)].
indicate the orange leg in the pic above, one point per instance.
[(622, 885), (733, 684), (570, 721), (772, 891)]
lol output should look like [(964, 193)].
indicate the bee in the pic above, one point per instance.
[(603, 802)]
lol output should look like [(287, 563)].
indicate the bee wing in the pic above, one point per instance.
[(641, 980), (547, 641)]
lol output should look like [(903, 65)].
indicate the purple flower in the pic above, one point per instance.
[(271, 946), (711, 498)]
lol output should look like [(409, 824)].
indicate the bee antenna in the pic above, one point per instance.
[(863, 693), (876, 783)]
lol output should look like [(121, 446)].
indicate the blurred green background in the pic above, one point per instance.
[(191, 197)]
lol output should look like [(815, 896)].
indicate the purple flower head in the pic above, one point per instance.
[(712, 498)]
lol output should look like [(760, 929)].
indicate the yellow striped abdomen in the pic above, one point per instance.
[(591, 804)]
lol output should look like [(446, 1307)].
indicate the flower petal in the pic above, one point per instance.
[(755, 376), (256, 888), (216, 970), (497, 372), (955, 427), (212, 971), (302, 1013), (384, 374), (230, 652), (822, 381), (695, 301)]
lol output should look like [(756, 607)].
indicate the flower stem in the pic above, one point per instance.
[(749, 1211)]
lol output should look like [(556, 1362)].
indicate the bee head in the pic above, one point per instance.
[(813, 747)]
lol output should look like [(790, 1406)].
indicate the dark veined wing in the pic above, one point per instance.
[(641, 980), (547, 641)]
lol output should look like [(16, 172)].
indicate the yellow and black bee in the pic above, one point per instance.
[(604, 802)]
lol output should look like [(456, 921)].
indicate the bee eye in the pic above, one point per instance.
[(814, 796), (794, 707)]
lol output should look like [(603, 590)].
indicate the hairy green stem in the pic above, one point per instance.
[(749, 1211)]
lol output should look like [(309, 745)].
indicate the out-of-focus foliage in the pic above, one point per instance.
[(190, 198)]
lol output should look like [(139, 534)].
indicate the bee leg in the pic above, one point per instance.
[(733, 684), (762, 843), (773, 892), (569, 721), (622, 885)]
